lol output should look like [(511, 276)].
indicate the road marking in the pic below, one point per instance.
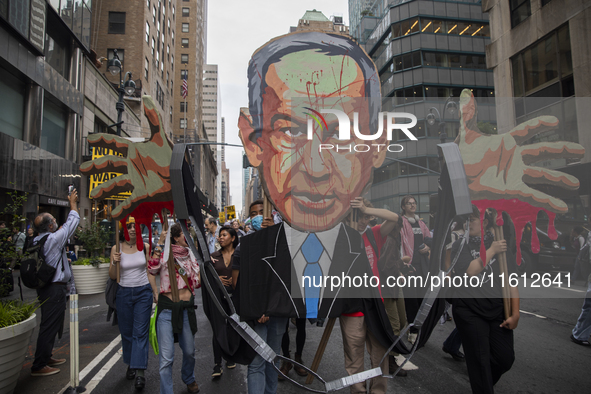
[(88, 307), (568, 288), (96, 361), (533, 314), (102, 373)]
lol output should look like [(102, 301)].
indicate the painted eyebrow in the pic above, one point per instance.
[(288, 118)]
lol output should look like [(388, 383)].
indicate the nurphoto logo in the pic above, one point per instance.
[(345, 129)]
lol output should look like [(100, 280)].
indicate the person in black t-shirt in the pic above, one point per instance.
[(478, 310)]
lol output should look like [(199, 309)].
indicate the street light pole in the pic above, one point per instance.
[(449, 106), (127, 87)]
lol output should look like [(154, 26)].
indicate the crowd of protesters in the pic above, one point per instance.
[(398, 246)]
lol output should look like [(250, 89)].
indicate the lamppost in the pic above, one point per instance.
[(127, 87), (449, 106)]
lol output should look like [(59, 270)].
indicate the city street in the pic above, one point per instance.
[(546, 360)]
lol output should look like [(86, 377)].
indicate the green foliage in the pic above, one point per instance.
[(487, 128), (95, 238), (94, 261), (8, 253), (15, 311)]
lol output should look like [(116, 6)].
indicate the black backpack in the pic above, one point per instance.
[(35, 272)]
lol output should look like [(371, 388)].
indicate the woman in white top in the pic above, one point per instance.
[(135, 293)]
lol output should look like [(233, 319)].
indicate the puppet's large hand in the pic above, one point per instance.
[(499, 166), (144, 165)]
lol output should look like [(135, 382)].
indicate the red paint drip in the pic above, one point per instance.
[(144, 214), (521, 213)]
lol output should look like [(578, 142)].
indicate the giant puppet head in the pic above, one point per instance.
[(294, 82)]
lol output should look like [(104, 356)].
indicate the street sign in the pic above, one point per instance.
[(231, 212), (97, 179), (222, 218)]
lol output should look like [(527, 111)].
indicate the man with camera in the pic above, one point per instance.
[(53, 295)]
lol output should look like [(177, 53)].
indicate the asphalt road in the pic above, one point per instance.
[(546, 360)]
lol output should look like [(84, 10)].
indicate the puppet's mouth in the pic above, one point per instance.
[(309, 201)]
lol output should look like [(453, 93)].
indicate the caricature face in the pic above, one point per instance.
[(310, 188)]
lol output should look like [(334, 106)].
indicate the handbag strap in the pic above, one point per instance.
[(176, 266)]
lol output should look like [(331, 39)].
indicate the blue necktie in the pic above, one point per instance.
[(312, 250)]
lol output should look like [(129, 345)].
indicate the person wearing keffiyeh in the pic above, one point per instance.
[(176, 318)]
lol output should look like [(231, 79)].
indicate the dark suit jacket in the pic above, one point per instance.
[(267, 283)]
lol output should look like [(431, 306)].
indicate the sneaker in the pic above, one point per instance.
[(579, 342), (230, 365), (45, 371), (55, 362), (193, 388), (393, 366), (412, 337), (217, 371)]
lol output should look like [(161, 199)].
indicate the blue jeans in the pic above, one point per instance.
[(166, 345), (134, 307), (262, 376), (583, 328)]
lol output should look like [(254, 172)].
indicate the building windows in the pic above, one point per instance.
[(157, 59), (185, 11), (146, 68), (168, 52), (543, 82), (183, 123), (184, 43), (153, 45), (184, 74), (154, 14), (53, 129), (545, 69), (170, 114), (172, 62), (147, 32), (116, 22), (184, 58), (168, 25), (172, 37), (183, 107), (520, 11), (185, 28), (159, 95), (12, 110), (57, 50), (172, 12), (171, 87)]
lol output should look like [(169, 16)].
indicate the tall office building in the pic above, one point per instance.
[(425, 52), (211, 103), (540, 57), (189, 50), (223, 139)]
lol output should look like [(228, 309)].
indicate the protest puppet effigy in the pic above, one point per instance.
[(145, 172)]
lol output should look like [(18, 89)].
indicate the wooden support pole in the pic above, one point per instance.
[(321, 348), (117, 249), (498, 233), (267, 208), (174, 289)]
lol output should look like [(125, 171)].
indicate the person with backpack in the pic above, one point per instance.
[(52, 296)]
